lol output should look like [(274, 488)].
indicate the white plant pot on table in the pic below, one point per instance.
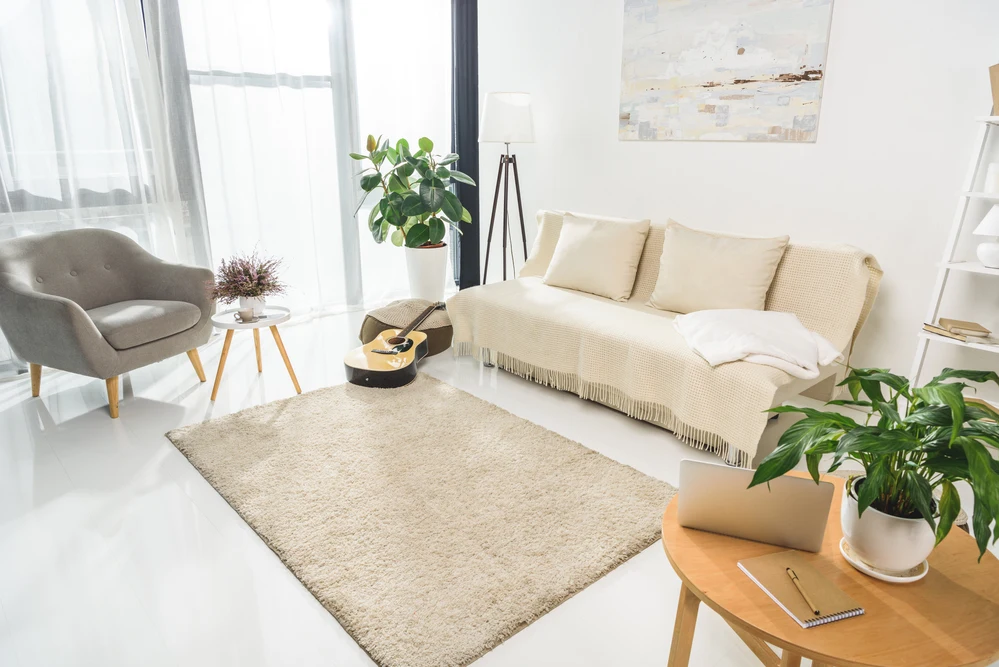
[(257, 303), (427, 268), (885, 542)]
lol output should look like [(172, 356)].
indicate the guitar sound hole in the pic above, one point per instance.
[(396, 340)]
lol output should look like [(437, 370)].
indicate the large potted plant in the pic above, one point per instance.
[(415, 206), (915, 444)]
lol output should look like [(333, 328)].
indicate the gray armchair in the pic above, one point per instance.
[(92, 302)]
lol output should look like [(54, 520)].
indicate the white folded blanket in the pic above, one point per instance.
[(759, 337)]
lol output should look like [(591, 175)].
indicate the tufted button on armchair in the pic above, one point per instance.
[(91, 301)]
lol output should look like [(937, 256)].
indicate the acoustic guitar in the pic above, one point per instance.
[(391, 359)]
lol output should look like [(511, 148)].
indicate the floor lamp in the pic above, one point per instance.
[(506, 119)]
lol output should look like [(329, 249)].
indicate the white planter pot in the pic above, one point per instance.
[(427, 268), (257, 303), (883, 541)]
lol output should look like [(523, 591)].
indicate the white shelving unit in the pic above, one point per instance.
[(987, 124)]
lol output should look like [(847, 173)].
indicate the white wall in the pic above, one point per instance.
[(903, 82)]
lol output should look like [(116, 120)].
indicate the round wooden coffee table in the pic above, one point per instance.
[(950, 618)]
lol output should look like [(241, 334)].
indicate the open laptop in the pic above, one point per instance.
[(791, 513)]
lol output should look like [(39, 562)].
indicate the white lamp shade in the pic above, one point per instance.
[(506, 118), (989, 226)]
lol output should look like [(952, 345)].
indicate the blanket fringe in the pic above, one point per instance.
[(612, 397)]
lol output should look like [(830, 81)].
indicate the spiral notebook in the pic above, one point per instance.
[(770, 573)]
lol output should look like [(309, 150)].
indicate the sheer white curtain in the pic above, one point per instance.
[(274, 126), (81, 128)]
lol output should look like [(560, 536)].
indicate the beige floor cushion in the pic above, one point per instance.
[(705, 271), (398, 314)]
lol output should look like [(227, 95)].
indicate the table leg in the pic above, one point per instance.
[(256, 344), (788, 659), (287, 361), (683, 628), (225, 353)]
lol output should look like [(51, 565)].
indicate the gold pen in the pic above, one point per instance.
[(797, 584)]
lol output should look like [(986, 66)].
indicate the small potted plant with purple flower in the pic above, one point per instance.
[(248, 279)]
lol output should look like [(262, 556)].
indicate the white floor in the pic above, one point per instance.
[(115, 551)]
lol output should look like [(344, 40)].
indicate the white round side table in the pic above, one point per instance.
[(273, 316)]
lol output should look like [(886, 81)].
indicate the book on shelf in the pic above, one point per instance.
[(940, 331), (964, 328), (797, 598)]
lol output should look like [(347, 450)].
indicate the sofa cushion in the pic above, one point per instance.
[(128, 324), (597, 256), (707, 271)]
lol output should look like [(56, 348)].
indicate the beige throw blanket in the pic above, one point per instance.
[(629, 356)]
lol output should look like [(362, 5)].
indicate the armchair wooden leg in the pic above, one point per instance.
[(36, 379), (112, 384), (196, 362)]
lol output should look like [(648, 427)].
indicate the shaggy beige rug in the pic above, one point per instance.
[(432, 524)]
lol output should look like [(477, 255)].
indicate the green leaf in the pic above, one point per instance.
[(397, 238), (417, 236), (406, 169), (864, 404), (466, 215), (370, 182), (423, 166), (374, 222), (412, 205), (974, 376), (790, 448), (432, 193), (402, 147), (379, 232), (451, 207), (919, 491), (812, 460), (375, 211), (437, 230), (889, 415), (827, 417), (443, 173), (950, 507), (358, 156), (425, 145), (981, 518), (896, 382), (371, 144), (949, 395), (931, 415), (877, 475), (461, 177), (396, 185), (449, 159), (392, 155)]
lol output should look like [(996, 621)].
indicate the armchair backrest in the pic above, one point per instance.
[(93, 267)]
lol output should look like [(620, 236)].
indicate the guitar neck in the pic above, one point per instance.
[(420, 319)]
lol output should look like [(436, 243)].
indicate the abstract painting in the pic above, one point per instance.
[(723, 70)]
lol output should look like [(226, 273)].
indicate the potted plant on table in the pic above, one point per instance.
[(415, 207), (915, 445), (248, 279)]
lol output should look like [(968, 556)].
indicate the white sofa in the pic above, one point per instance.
[(628, 356)]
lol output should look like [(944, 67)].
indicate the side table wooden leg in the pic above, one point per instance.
[(788, 659), (287, 361), (225, 353), (256, 344), (683, 628)]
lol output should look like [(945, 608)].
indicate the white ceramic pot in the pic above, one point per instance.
[(427, 268), (881, 540), (257, 303), (988, 254)]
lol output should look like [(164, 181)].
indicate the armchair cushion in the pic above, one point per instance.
[(127, 324)]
